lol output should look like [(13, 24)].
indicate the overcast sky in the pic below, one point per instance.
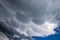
[(31, 17)]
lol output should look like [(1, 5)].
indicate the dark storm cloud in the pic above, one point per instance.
[(3, 37), (28, 9), (8, 21), (21, 17), (58, 14), (25, 14), (38, 21)]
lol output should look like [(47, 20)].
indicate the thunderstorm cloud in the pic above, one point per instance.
[(31, 17)]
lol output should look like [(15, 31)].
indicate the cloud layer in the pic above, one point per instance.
[(3, 37), (31, 17)]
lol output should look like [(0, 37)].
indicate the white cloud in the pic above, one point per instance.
[(32, 29), (41, 30)]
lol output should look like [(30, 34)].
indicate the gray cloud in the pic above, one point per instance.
[(21, 17), (3, 37), (26, 14), (38, 21)]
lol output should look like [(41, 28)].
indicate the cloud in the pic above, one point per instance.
[(41, 30), (31, 17), (3, 37)]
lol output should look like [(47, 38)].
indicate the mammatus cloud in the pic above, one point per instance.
[(31, 17)]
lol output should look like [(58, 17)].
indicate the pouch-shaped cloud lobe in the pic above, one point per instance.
[(30, 17)]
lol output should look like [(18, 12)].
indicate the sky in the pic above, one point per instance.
[(37, 18), (51, 37)]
